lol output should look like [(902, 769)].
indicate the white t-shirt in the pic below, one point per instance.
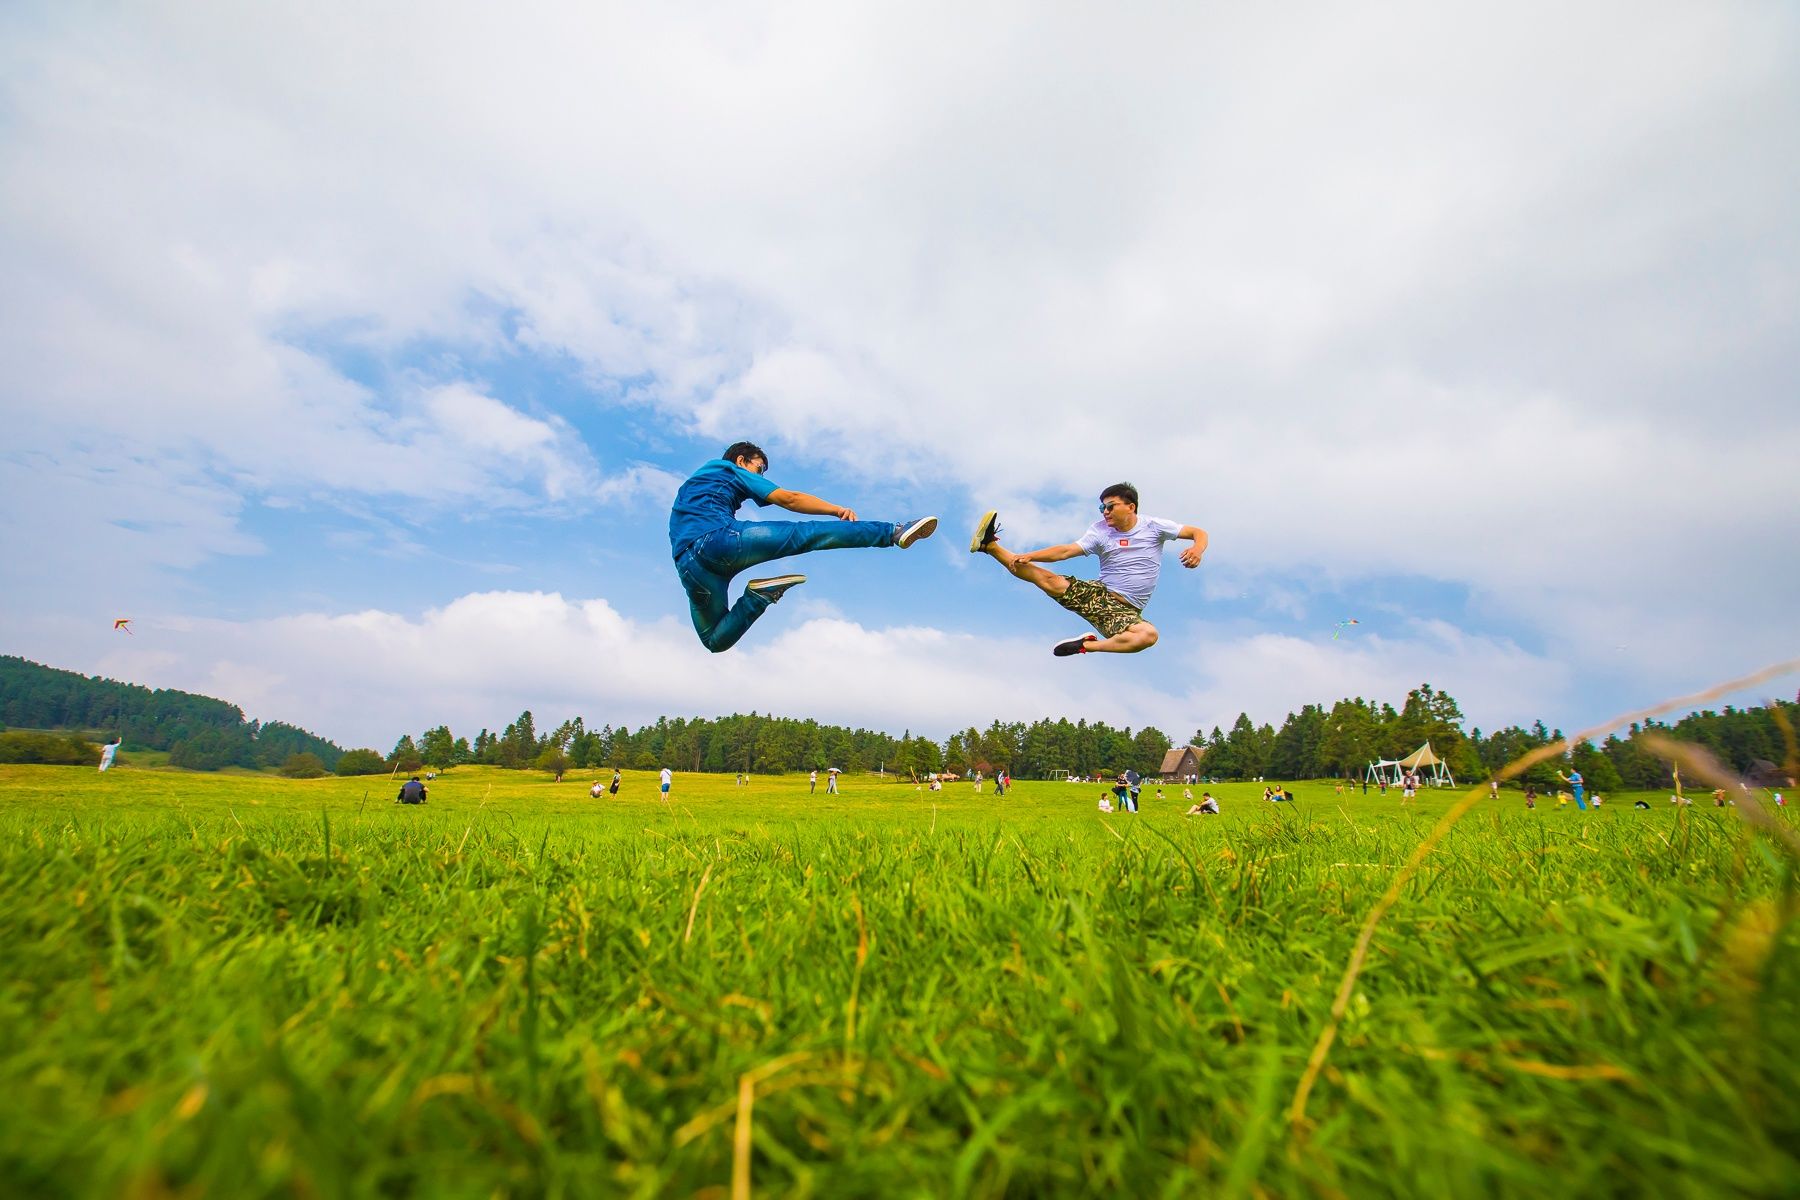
[(667, 777), (1130, 562)]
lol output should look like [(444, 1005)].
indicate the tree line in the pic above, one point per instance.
[(1317, 742), (199, 732)]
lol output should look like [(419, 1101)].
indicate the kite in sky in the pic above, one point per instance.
[(122, 623), (1342, 624)]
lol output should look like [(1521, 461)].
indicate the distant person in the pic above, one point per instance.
[(612, 789), (1493, 789), (668, 777), (831, 782), (1640, 802), (112, 748), (1530, 796), (598, 790), (411, 792), (812, 781), (1576, 785), (1208, 807), (1122, 793), (1105, 803)]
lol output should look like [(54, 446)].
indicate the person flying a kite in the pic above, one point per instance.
[(711, 545), (1130, 551)]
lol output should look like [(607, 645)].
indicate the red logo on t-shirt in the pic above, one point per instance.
[(1124, 542)]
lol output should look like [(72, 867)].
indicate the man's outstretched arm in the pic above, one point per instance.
[(1052, 554), (1191, 557), (802, 502)]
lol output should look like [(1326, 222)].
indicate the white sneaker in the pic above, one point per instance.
[(916, 531), (774, 588)]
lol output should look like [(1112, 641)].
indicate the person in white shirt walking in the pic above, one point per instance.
[(1130, 551), (668, 777)]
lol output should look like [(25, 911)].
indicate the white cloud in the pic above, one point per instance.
[(1417, 291), (367, 677)]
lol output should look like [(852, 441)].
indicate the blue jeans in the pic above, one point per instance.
[(706, 567)]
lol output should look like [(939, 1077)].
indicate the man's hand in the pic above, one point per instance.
[(846, 514), (1190, 558), (1020, 560)]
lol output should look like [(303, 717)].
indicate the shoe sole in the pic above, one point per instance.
[(984, 531), (1073, 645), (784, 581), (918, 531)]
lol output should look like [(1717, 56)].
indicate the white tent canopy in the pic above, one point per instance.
[(1423, 762)]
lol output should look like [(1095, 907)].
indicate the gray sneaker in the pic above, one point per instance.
[(773, 589), (986, 530), (916, 531)]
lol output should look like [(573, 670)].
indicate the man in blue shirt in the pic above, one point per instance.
[(711, 545), (1576, 785)]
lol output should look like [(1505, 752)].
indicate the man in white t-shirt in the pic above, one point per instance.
[(1130, 551), (668, 777)]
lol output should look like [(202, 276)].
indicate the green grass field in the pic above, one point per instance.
[(241, 986)]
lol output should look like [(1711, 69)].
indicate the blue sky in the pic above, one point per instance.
[(357, 357)]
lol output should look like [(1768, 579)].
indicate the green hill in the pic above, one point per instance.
[(198, 732)]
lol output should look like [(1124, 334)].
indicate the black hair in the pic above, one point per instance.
[(748, 451), (1123, 491)]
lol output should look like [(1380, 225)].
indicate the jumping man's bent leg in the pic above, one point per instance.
[(1140, 636), (719, 627)]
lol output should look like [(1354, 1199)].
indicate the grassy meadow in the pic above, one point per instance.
[(245, 985)]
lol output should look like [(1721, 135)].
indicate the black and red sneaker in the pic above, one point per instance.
[(1074, 645)]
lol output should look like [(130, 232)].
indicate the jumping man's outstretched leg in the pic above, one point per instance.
[(1090, 601)]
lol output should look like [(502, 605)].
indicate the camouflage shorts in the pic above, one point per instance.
[(1099, 607)]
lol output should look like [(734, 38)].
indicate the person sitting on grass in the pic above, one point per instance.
[(1640, 802), (1208, 807), (1106, 802), (411, 792)]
